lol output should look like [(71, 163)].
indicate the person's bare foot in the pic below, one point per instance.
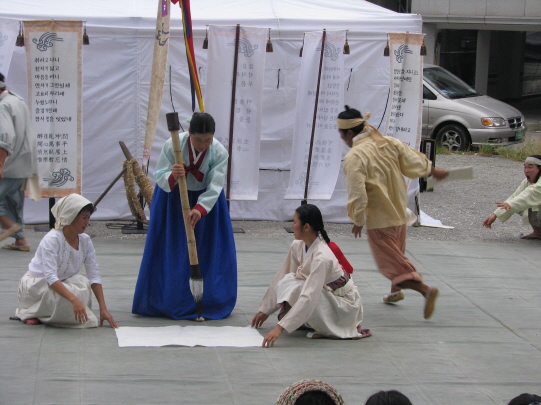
[(33, 321), (21, 242), (530, 236)]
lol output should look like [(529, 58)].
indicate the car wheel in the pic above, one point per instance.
[(453, 137)]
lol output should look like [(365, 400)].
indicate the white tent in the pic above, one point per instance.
[(116, 77)]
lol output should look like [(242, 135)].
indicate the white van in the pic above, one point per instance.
[(457, 116)]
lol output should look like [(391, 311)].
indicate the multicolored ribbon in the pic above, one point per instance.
[(190, 54)]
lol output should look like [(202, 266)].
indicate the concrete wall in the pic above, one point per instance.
[(478, 8)]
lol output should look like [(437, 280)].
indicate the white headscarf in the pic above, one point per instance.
[(67, 208)]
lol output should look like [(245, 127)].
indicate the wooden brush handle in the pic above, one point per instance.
[(183, 189)]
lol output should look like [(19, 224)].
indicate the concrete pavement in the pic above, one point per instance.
[(482, 346)]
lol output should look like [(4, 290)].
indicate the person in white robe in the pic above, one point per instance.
[(17, 165), (525, 201), (52, 291), (311, 288)]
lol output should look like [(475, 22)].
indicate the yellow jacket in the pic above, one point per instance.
[(374, 168)]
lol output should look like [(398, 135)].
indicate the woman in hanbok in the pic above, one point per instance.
[(311, 289), (525, 201), (52, 291), (163, 284)]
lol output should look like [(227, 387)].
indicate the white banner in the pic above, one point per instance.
[(8, 36), (244, 181), (53, 55), (327, 145), (405, 101)]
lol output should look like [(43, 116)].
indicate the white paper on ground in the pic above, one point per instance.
[(231, 336), (456, 173), (427, 220)]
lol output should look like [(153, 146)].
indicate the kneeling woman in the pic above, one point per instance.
[(525, 201), (52, 291), (311, 288)]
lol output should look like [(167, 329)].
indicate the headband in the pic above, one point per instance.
[(67, 208), (294, 391), (352, 122), (2, 85), (532, 160)]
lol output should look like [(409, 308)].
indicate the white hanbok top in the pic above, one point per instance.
[(526, 196), (317, 266), (17, 137), (56, 260)]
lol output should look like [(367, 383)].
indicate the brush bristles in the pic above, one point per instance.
[(196, 287)]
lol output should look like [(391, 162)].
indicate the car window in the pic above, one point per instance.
[(447, 84), (428, 95)]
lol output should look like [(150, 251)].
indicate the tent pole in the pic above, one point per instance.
[(304, 201), (232, 113)]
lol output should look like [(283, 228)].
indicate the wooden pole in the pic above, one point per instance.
[(232, 112), (196, 279), (109, 187), (315, 118)]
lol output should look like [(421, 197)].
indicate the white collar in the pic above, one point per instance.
[(311, 248), (362, 134), (196, 155)]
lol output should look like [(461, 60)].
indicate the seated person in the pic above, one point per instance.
[(392, 397), (310, 392), (311, 288), (52, 291), (525, 201)]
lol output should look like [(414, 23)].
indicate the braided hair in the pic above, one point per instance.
[(351, 113), (311, 215)]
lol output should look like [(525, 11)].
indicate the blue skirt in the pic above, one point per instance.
[(163, 284)]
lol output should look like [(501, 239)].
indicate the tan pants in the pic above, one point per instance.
[(388, 246)]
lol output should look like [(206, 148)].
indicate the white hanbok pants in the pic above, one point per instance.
[(38, 300), (338, 312)]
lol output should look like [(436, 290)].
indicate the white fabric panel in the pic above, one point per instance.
[(8, 36), (54, 60), (117, 72), (404, 101), (210, 336), (248, 103), (317, 146)]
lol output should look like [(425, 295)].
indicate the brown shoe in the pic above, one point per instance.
[(393, 297), (13, 246), (10, 231), (430, 301)]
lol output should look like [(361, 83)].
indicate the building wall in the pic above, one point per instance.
[(500, 25), (478, 8)]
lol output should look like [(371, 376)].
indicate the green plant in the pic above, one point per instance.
[(521, 152), (488, 150), (441, 150)]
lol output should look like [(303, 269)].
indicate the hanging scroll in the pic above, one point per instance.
[(327, 149), (53, 55), (405, 101), (248, 101)]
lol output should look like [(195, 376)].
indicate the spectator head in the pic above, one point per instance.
[(310, 392), (392, 397), (526, 399)]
